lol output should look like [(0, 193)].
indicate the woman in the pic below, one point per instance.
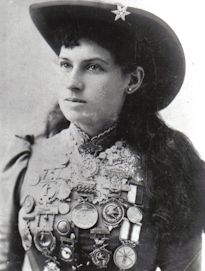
[(117, 189)]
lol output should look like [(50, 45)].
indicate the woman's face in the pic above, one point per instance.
[(92, 86)]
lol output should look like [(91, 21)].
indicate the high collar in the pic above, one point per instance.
[(96, 144)]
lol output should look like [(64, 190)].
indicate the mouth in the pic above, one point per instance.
[(75, 100)]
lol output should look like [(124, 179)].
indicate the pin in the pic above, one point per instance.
[(66, 253), (26, 239), (112, 212), (84, 215), (100, 257), (89, 167), (63, 227), (44, 240), (63, 208), (125, 257), (51, 266), (28, 204), (134, 214)]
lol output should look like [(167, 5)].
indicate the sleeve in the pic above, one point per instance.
[(181, 256), (11, 176)]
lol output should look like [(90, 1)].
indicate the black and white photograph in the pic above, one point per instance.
[(102, 135)]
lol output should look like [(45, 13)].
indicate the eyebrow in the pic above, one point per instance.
[(87, 60)]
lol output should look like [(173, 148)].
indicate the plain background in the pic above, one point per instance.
[(28, 69)]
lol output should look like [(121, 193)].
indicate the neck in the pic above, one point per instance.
[(92, 131)]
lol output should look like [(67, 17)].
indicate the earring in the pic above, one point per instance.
[(129, 90)]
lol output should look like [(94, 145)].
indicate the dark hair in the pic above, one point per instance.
[(174, 169)]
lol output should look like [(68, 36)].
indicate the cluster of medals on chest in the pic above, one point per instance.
[(96, 192)]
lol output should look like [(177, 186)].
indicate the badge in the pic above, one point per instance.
[(100, 257), (63, 208), (125, 257), (28, 204), (134, 214), (63, 227), (84, 215), (26, 239), (66, 253), (64, 190), (89, 167), (112, 213), (48, 192), (51, 266), (45, 240)]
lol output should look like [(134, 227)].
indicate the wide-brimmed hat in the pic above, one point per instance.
[(160, 43)]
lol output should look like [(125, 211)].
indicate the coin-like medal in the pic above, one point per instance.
[(63, 227), (28, 204), (66, 253), (84, 215), (112, 213), (134, 214), (44, 240), (125, 257), (89, 167), (100, 257), (26, 239)]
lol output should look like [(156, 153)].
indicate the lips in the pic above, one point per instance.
[(75, 100)]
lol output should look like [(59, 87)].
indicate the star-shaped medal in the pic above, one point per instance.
[(121, 12)]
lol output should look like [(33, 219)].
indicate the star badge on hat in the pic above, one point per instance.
[(121, 12)]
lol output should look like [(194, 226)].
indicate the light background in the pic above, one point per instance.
[(27, 69)]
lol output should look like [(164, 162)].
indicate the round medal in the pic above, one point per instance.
[(84, 215), (112, 212), (26, 239), (63, 227), (45, 240), (125, 257), (29, 204), (134, 214), (89, 167), (66, 253), (100, 257), (63, 208)]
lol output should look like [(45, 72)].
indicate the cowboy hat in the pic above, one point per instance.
[(159, 41)]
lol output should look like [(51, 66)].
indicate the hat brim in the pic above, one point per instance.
[(167, 52)]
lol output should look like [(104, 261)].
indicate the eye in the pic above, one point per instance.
[(65, 65), (94, 67)]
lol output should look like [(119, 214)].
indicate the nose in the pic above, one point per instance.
[(75, 81)]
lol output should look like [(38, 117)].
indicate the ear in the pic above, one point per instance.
[(136, 79)]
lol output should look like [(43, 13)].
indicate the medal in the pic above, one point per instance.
[(112, 213), (134, 214), (125, 257), (66, 253), (63, 227), (26, 239), (51, 266), (64, 190), (84, 215), (48, 192), (89, 166), (45, 240), (63, 208), (100, 257), (28, 204)]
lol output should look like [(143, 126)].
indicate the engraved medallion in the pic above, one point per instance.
[(66, 253), (125, 257), (45, 240), (112, 212), (89, 166), (100, 257), (28, 204), (63, 208), (84, 215), (63, 227), (134, 214), (64, 190)]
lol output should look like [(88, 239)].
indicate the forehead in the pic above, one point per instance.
[(84, 49)]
